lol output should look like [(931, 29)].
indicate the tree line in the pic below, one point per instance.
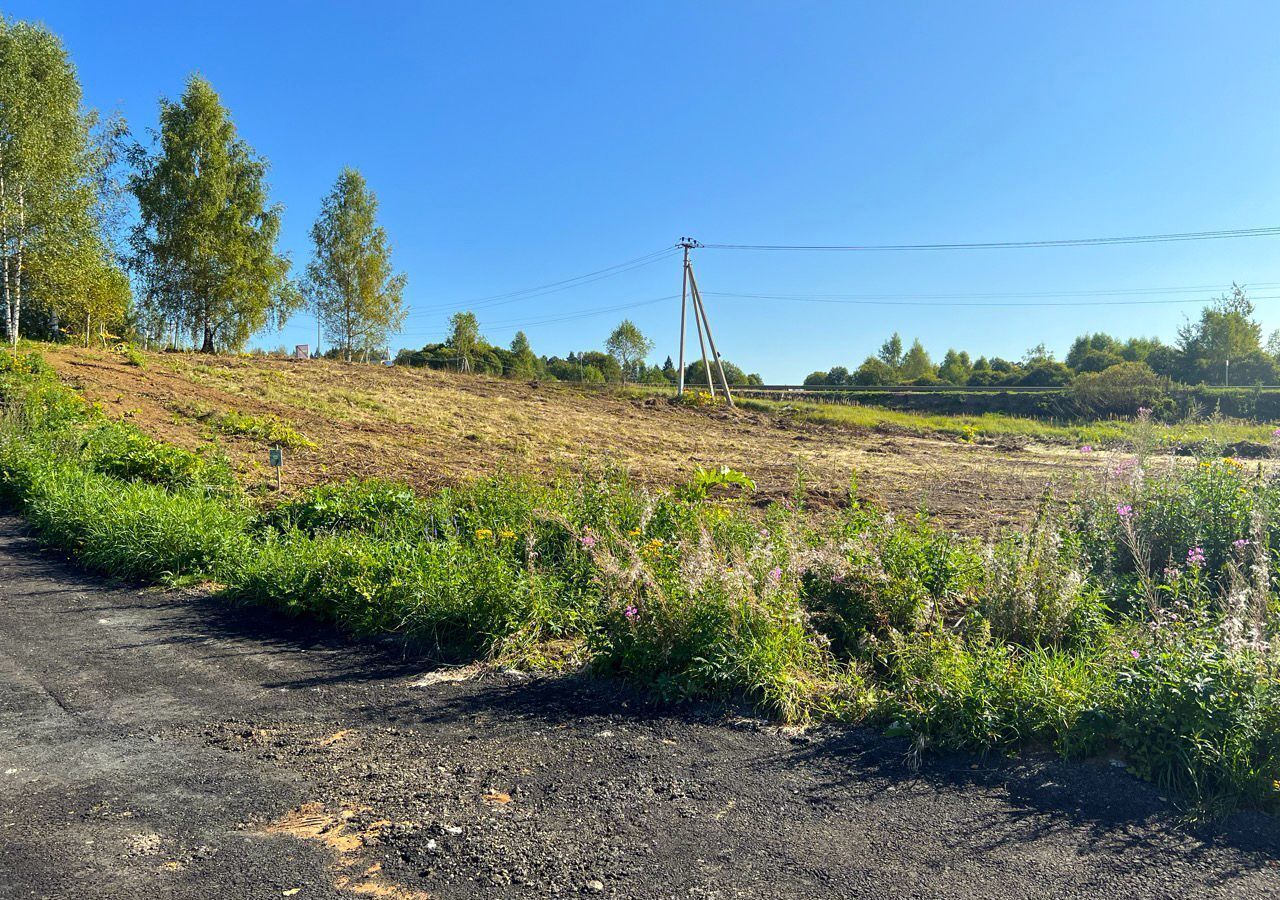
[(1223, 345), (201, 265), (622, 360)]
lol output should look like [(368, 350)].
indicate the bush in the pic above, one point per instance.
[(1201, 721), (1034, 591), (1119, 390)]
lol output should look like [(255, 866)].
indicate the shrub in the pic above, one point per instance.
[(1119, 390), (1033, 591), (1200, 720), (886, 576)]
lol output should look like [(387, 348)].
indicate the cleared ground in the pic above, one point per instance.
[(431, 428), (166, 745)]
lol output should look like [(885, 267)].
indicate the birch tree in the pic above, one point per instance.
[(205, 243), (52, 248), (350, 283)]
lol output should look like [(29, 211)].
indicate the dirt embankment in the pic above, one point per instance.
[(431, 428)]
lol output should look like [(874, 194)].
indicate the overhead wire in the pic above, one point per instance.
[(1224, 234)]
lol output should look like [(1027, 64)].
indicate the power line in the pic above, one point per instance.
[(1268, 231), (550, 320), (542, 290), (888, 301)]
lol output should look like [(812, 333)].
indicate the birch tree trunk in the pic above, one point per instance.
[(15, 308), (4, 249)]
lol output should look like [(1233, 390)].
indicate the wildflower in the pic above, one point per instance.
[(631, 612), (588, 541), (1135, 654), (634, 532), (1171, 573), (775, 574), (764, 532), (483, 534), (1276, 433), (1241, 543), (507, 534), (1124, 511), (1087, 448), (788, 505), (1195, 557)]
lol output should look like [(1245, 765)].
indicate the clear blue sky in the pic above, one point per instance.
[(517, 144)]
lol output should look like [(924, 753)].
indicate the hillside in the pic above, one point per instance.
[(431, 428)]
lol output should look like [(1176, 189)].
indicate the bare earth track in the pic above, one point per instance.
[(167, 745), (432, 428)]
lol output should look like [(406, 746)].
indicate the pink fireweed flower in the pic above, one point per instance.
[(1087, 448), (775, 574), (588, 541), (631, 612), (1241, 543), (1135, 654), (1195, 557), (1276, 433), (1171, 572), (1124, 511)]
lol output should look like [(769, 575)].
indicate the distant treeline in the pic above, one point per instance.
[(622, 360), (1223, 346)]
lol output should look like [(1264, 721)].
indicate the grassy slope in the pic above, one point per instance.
[(431, 428)]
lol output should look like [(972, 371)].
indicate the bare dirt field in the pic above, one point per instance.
[(432, 428)]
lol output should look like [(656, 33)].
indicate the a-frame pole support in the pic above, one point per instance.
[(701, 309)]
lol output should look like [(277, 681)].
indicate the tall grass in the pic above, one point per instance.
[(1142, 620)]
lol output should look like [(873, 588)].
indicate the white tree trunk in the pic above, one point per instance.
[(4, 249), (15, 308)]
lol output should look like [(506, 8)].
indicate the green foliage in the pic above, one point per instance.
[(267, 429), (350, 283), (54, 189), (1200, 720), (1034, 592), (955, 694), (371, 506), (124, 452), (706, 480), (628, 346), (1119, 390), (206, 237), (1074, 634)]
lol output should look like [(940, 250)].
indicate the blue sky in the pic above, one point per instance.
[(517, 144)]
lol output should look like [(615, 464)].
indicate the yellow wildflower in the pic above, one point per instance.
[(634, 532), (506, 534), (483, 534)]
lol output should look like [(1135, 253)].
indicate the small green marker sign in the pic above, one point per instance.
[(276, 456)]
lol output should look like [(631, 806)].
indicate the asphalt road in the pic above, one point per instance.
[(159, 745)]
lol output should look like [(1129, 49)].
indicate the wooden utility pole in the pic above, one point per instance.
[(689, 291), (688, 244)]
